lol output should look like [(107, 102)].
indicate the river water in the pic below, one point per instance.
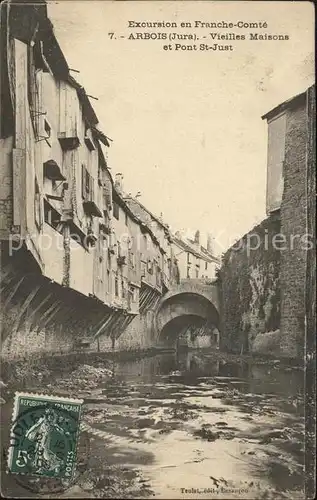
[(193, 426)]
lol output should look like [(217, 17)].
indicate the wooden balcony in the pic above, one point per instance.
[(68, 142), (91, 208)]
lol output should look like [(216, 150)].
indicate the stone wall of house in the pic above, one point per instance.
[(136, 336), (39, 317), (269, 295), (294, 228), (310, 372), (311, 225), (250, 291), (6, 197), (71, 330)]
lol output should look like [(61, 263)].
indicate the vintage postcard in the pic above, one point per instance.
[(157, 229)]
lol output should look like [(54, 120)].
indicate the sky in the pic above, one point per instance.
[(186, 125)]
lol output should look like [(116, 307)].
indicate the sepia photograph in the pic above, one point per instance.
[(158, 249)]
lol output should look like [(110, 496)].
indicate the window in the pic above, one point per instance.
[(132, 259), (133, 294), (100, 269), (150, 266), (143, 269), (52, 217), (37, 206), (126, 219), (206, 266), (87, 184), (116, 210), (189, 258), (116, 286), (33, 90), (158, 276), (197, 273), (188, 272), (145, 242), (105, 182), (123, 289), (169, 266)]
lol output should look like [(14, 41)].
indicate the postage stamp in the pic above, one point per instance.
[(44, 435)]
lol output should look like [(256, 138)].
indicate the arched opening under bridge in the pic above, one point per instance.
[(187, 319)]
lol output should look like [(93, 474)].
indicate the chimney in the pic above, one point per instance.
[(118, 184), (197, 237), (210, 243)]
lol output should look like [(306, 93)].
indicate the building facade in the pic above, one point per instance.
[(267, 281), (290, 142), (95, 257), (159, 266), (194, 260)]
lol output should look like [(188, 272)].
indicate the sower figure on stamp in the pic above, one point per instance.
[(41, 434)]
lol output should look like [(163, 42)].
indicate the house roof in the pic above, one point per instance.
[(118, 198), (59, 66), (101, 136), (290, 103), (201, 253), (133, 201), (29, 21), (88, 110)]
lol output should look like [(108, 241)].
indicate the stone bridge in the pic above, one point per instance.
[(192, 306)]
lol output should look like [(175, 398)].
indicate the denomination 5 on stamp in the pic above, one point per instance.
[(44, 434)]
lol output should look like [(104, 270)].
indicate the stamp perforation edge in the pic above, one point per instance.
[(37, 396)]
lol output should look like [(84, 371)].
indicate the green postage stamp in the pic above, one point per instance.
[(44, 433)]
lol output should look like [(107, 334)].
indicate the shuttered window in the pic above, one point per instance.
[(37, 206), (86, 184)]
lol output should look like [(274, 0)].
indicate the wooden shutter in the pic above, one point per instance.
[(83, 181)]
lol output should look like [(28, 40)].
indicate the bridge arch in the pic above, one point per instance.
[(190, 310)]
